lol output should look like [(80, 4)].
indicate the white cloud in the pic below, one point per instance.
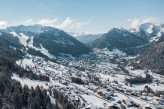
[(135, 22), (68, 24), (47, 22), (28, 21), (3, 24), (151, 20)]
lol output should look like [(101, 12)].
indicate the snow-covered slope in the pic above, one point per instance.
[(153, 58), (86, 38), (47, 40), (119, 39), (149, 31), (22, 38)]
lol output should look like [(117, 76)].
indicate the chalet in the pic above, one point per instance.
[(135, 93), (108, 94), (149, 106), (91, 106), (112, 106)]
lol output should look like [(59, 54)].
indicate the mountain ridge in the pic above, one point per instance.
[(54, 40)]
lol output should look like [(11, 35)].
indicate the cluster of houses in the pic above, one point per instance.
[(70, 70)]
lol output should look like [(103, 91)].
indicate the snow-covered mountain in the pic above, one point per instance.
[(49, 39), (153, 58), (121, 39), (149, 31), (86, 38), (131, 41), (22, 28)]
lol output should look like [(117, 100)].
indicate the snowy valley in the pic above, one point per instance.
[(95, 80), (101, 78)]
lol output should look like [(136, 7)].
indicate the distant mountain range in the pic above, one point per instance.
[(131, 41), (119, 39), (86, 38), (147, 40), (55, 41)]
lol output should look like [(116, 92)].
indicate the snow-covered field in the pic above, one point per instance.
[(28, 82)]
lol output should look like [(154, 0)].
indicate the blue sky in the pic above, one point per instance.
[(94, 16)]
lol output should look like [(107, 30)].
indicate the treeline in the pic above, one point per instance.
[(159, 93), (139, 79), (36, 53), (9, 63), (10, 50), (29, 74), (148, 90), (10, 46), (13, 96), (77, 80), (153, 57), (62, 101)]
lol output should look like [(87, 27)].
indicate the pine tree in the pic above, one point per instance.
[(17, 99), (48, 104), (25, 94), (30, 103), (7, 101)]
